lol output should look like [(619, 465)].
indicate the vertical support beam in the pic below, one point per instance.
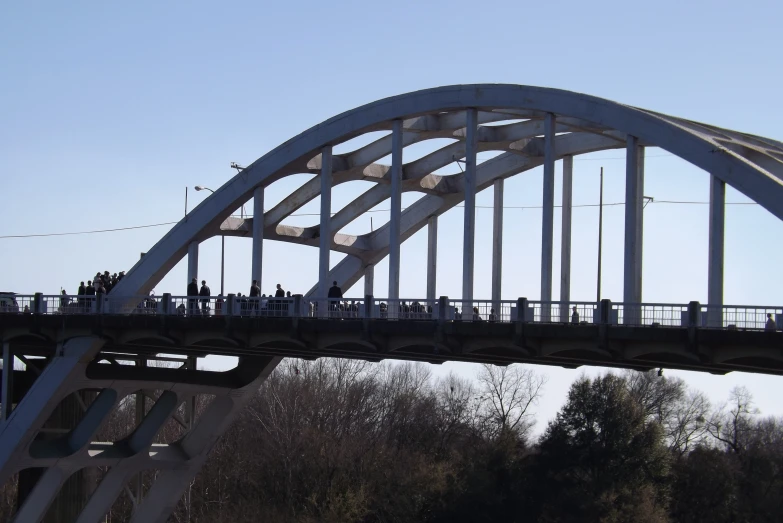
[(256, 271), (192, 261), (565, 245), (634, 191), (369, 280), (190, 404), (7, 398), (222, 263), (471, 147), (548, 216), (325, 240), (497, 243), (396, 213), (141, 408), (432, 257), (716, 250)]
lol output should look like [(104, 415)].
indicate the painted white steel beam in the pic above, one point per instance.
[(325, 238), (469, 227), (565, 237), (634, 221), (395, 212), (369, 280), (432, 256), (348, 271), (716, 250), (497, 242), (258, 235), (548, 216), (192, 261)]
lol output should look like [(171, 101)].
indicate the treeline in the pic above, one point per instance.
[(349, 441)]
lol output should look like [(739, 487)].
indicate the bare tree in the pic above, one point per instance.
[(733, 424), (456, 408), (657, 395), (686, 427), (506, 395), (681, 413)]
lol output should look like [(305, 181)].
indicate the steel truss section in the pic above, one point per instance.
[(75, 367)]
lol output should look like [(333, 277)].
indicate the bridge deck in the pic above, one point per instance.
[(567, 345)]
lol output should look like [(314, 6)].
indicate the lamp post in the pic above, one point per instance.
[(600, 233), (222, 247)]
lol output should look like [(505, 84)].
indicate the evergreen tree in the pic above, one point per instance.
[(601, 459)]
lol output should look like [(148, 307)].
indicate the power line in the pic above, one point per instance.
[(622, 158), (612, 204), (85, 232)]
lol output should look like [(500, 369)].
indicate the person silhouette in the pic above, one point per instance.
[(204, 292)]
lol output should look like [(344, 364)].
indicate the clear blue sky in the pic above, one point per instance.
[(108, 111)]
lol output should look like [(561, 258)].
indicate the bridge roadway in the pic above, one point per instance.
[(539, 338)]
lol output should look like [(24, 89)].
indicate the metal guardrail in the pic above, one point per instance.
[(650, 314), (654, 315), (480, 310), (740, 317)]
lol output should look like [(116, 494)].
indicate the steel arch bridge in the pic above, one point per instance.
[(528, 126)]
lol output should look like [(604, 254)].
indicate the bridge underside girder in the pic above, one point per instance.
[(27, 442), (697, 349)]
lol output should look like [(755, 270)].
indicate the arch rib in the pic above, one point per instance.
[(750, 167)]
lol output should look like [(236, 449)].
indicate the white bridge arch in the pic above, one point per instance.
[(555, 124)]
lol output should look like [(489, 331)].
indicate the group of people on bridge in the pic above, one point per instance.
[(200, 301), (100, 285)]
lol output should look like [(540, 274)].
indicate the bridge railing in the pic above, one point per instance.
[(480, 310), (129, 305), (21, 304), (740, 317), (563, 312), (649, 314), (405, 309), (332, 308), (62, 304)]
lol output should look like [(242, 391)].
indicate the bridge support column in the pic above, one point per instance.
[(432, 257), (471, 148), (548, 217), (565, 245), (395, 216), (369, 280), (7, 399), (57, 381), (170, 484), (192, 261), (497, 244), (325, 239), (258, 235), (716, 250), (141, 410), (634, 191)]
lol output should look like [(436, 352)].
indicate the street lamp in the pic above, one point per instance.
[(222, 247)]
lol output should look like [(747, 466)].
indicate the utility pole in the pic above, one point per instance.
[(600, 233)]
